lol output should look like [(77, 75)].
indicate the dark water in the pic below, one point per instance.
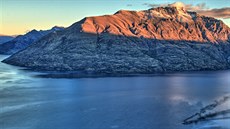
[(159, 102)]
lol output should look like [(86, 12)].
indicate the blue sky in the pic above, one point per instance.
[(20, 16)]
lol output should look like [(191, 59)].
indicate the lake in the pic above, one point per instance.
[(141, 102)]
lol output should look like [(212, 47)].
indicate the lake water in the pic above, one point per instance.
[(154, 102)]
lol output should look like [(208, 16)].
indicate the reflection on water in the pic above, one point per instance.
[(157, 102)]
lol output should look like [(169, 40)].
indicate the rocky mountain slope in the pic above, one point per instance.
[(163, 23), (164, 39), (4, 38), (23, 41)]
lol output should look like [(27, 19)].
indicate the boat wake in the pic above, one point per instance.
[(218, 110)]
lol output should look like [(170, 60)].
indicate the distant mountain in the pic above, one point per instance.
[(163, 39), (5, 38), (23, 41)]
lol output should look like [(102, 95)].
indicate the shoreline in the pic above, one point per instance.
[(69, 75), (81, 74)]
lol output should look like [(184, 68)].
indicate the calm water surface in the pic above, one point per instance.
[(157, 102)]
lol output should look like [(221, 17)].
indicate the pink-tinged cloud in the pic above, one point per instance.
[(218, 13)]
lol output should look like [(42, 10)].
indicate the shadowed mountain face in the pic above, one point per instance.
[(164, 39), (23, 41)]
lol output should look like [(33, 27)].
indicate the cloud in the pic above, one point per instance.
[(155, 5), (200, 8), (129, 5), (217, 13)]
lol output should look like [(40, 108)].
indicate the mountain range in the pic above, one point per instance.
[(22, 41), (158, 40), (5, 38)]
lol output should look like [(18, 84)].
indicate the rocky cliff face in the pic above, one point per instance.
[(23, 41), (164, 39)]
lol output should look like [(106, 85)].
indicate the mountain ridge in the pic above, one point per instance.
[(138, 23), (5, 38), (20, 42)]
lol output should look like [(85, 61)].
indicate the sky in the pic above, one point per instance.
[(20, 16)]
